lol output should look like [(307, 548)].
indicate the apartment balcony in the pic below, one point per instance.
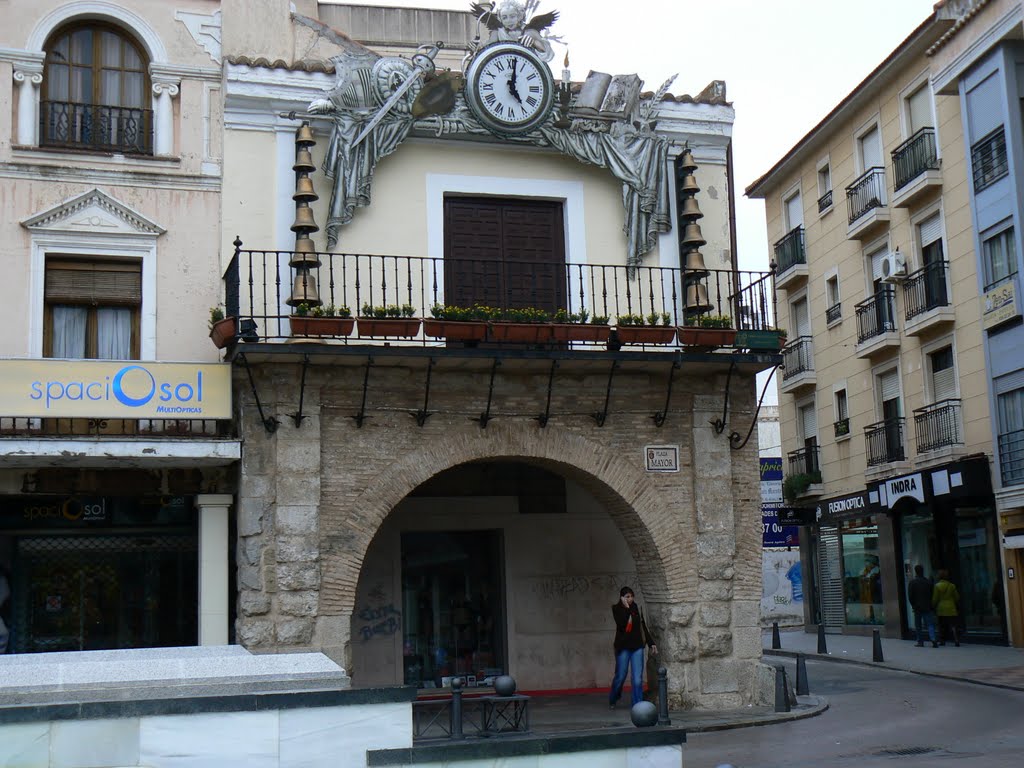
[(122, 130), (915, 169), (867, 211), (833, 315), (791, 260), (885, 444), (926, 298), (798, 365), (825, 203), (360, 305), (803, 474), (1011, 457), (876, 324), (939, 432)]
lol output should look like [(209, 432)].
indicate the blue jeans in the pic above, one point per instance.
[(635, 661), (924, 619)]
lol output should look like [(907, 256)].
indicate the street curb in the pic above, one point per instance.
[(812, 707), (890, 667)]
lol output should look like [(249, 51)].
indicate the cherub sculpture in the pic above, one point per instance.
[(508, 23)]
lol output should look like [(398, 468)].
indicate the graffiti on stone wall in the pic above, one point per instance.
[(379, 621), (560, 587)]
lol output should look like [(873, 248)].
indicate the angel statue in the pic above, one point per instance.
[(508, 23)]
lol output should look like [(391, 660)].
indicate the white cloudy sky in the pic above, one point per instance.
[(786, 63)]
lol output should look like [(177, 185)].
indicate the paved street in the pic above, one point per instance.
[(878, 717)]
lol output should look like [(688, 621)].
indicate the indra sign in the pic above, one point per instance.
[(509, 88)]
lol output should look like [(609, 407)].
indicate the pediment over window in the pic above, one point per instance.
[(96, 213)]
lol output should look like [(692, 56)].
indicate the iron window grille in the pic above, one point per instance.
[(988, 159), (925, 289), (866, 193), (938, 425), (913, 157), (876, 315), (789, 251), (885, 442)]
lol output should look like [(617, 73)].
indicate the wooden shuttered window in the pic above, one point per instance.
[(94, 283)]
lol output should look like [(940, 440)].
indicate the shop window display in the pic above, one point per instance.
[(862, 573)]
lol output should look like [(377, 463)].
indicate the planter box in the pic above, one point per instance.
[(773, 340), (455, 330), (403, 326), (523, 333), (645, 334), (223, 332), (692, 336), (321, 326), (580, 332)]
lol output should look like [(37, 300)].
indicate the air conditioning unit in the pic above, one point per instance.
[(894, 267)]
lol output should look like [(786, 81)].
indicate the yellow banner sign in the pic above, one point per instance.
[(999, 305), (121, 389)]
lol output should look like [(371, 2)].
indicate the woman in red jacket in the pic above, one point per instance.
[(631, 633)]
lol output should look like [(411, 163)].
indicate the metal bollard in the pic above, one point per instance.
[(663, 697), (876, 646), (456, 711), (781, 695), (801, 676), (822, 648), (776, 640)]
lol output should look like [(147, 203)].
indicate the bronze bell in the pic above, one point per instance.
[(691, 235), (304, 255), (697, 299), (686, 164), (695, 266), (303, 161), (304, 221), (689, 184), (304, 136), (690, 210), (304, 190), (304, 289)]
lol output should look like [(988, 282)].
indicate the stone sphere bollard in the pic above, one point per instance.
[(504, 685), (644, 714)]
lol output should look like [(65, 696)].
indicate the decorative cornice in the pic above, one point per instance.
[(205, 30), (177, 72), (25, 60), (963, 11), (138, 174), (302, 65), (48, 220)]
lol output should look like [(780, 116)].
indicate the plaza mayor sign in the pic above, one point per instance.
[(103, 389)]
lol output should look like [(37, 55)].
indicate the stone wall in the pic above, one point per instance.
[(313, 497)]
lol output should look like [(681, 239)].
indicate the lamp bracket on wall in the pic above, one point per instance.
[(423, 414), (719, 424), (361, 416), (659, 418), (298, 416), (269, 423), (601, 416), (734, 437), (486, 415), (542, 419)]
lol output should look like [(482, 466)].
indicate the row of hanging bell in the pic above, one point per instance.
[(304, 259), (694, 269)]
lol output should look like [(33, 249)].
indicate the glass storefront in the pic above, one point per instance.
[(862, 573), (920, 547), (452, 611), (977, 543)]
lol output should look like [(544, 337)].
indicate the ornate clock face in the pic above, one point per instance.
[(509, 88)]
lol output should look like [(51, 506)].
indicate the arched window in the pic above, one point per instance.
[(96, 91)]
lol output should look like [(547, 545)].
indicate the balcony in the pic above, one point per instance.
[(876, 323), (915, 169), (865, 203), (841, 429), (926, 298), (798, 365), (825, 203), (939, 434), (885, 442), (1011, 457), (988, 159), (121, 130), (803, 475), (791, 260), (569, 307)]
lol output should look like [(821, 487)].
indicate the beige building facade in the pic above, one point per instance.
[(887, 429)]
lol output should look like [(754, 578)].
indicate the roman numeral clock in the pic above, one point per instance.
[(509, 89)]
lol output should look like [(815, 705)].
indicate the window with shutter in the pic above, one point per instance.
[(943, 374), (919, 109)]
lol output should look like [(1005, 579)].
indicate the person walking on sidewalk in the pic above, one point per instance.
[(631, 633), (945, 599), (919, 592)]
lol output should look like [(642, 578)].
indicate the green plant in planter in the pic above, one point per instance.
[(715, 321), (600, 320), (796, 485), (303, 309), (629, 320), (525, 315), (216, 315), (658, 318), (344, 312)]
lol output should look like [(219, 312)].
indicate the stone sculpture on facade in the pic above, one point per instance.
[(508, 24)]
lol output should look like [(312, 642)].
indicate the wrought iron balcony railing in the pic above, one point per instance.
[(259, 285), (11, 426), (866, 193), (833, 313), (988, 159), (925, 289), (825, 202), (1011, 457), (913, 157), (789, 251), (798, 357), (96, 126), (876, 315), (938, 425), (804, 462), (885, 442)]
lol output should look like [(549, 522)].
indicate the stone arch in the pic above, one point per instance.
[(98, 9), (631, 499)]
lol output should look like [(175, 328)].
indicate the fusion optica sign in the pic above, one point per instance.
[(106, 389)]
